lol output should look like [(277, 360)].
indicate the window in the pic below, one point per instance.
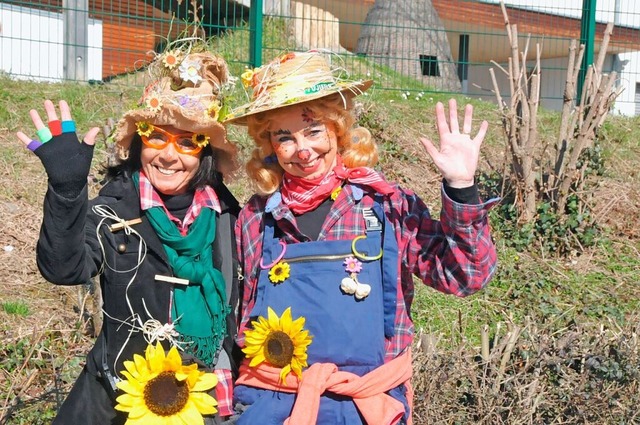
[(429, 65)]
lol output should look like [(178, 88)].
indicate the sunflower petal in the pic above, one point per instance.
[(257, 360), (131, 387), (140, 364), (155, 356), (190, 415), (284, 372), (205, 382), (128, 400), (204, 403), (173, 360)]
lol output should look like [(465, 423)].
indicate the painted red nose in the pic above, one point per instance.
[(304, 154)]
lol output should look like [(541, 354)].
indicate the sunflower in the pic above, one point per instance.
[(158, 389), (280, 272), (144, 128), (280, 341), (200, 139), (335, 193)]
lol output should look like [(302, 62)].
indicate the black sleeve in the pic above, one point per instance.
[(465, 195), (67, 252)]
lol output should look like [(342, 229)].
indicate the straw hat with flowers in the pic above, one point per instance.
[(291, 79), (185, 89)]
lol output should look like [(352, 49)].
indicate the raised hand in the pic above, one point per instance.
[(458, 154), (66, 160)]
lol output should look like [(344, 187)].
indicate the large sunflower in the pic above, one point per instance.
[(280, 341), (160, 390)]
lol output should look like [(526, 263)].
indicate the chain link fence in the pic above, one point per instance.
[(405, 45)]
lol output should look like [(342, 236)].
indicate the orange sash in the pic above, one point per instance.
[(367, 392)]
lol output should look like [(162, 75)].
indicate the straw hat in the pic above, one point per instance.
[(291, 79), (185, 91)]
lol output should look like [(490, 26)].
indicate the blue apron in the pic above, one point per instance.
[(345, 331)]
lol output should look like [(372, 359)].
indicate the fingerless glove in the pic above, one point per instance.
[(66, 159)]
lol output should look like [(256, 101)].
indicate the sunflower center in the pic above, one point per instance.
[(164, 395), (278, 349)]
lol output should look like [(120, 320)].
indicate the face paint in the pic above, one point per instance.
[(305, 147)]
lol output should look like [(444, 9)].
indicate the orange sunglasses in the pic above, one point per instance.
[(184, 142)]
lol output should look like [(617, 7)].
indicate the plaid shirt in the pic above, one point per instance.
[(455, 255), (203, 198)]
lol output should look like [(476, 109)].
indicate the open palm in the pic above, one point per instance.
[(458, 153)]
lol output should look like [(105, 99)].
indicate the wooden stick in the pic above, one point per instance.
[(120, 225)]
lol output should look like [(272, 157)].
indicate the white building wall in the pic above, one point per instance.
[(629, 73), (31, 44)]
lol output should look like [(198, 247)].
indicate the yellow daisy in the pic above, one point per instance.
[(213, 111), (144, 128), (159, 390), (280, 341), (247, 77), (200, 139), (280, 272)]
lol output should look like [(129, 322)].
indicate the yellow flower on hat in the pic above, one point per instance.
[(213, 111), (279, 341), (199, 139), (171, 59), (190, 70), (247, 77), (158, 389), (144, 128), (154, 103)]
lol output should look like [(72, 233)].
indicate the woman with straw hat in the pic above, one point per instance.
[(329, 249), (160, 235)]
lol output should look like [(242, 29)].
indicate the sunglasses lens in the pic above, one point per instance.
[(157, 139), (186, 144)]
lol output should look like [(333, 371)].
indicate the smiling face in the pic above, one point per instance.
[(168, 170), (305, 147)]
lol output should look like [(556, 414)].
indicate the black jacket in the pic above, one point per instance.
[(69, 253)]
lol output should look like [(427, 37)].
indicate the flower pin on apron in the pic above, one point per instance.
[(279, 341), (350, 285)]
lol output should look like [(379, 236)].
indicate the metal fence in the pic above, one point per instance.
[(405, 45)]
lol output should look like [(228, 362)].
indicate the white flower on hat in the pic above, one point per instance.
[(189, 70), (154, 103), (171, 58)]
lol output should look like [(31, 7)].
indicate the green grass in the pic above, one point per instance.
[(18, 308)]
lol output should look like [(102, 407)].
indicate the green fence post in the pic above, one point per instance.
[(255, 33), (587, 37)]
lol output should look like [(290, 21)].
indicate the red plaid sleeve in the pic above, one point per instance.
[(455, 254), (224, 392)]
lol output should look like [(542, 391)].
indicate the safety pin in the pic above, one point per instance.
[(284, 249), (362, 256)]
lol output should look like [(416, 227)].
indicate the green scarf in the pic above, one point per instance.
[(199, 309)]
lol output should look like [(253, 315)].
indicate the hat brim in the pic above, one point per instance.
[(172, 116), (240, 114)]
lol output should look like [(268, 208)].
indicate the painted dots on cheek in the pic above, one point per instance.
[(280, 149)]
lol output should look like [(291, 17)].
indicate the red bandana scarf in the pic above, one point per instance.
[(303, 195)]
